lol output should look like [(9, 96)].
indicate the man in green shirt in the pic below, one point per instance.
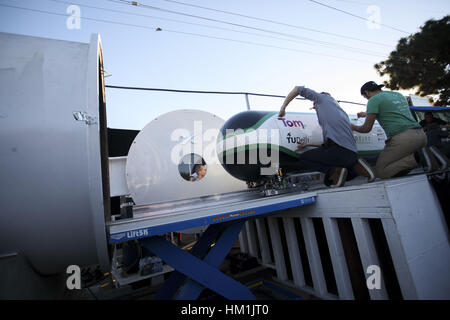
[(405, 146)]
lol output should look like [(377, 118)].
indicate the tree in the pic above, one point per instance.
[(422, 61)]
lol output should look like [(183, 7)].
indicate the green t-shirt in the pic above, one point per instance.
[(392, 112)]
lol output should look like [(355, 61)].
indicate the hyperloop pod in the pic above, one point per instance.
[(253, 140), (54, 190)]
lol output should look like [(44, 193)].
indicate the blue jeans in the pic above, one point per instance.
[(326, 159)]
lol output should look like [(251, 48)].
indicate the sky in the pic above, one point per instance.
[(209, 49)]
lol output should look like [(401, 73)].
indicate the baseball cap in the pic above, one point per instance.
[(371, 86)]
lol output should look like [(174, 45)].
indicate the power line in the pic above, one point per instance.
[(199, 91), (356, 16), (278, 22), (266, 45), (138, 4), (355, 2), (185, 33), (349, 102), (390, 4), (316, 43), (82, 17), (214, 92)]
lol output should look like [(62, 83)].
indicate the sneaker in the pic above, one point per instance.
[(338, 177), (364, 169), (425, 158), (441, 158)]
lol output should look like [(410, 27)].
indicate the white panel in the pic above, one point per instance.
[(277, 249), (263, 243), (423, 233), (117, 178), (431, 274), (340, 268), (417, 214), (399, 260), (368, 254), (363, 201), (294, 252), (251, 237), (315, 263), (243, 244), (420, 101)]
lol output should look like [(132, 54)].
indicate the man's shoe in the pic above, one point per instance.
[(364, 169), (338, 177), (425, 158), (441, 158)]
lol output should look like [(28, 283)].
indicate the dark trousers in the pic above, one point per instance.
[(326, 159)]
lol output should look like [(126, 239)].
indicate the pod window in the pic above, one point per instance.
[(192, 167)]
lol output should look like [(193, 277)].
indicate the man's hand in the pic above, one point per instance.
[(301, 145), (361, 114), (368, 124)]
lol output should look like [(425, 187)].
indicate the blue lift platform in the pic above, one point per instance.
[(197, 269)]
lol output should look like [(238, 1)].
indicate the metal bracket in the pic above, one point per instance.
[(84, 116)]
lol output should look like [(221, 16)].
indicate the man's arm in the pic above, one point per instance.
[(361, 114), (291, 96), (301, 145), (309, 94), (302, 91), (368, 124)]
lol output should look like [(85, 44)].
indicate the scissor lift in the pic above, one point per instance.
[(225, 214)]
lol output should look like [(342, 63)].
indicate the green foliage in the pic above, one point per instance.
[(422, 61)]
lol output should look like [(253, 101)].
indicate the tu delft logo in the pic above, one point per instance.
[(291, 139)]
